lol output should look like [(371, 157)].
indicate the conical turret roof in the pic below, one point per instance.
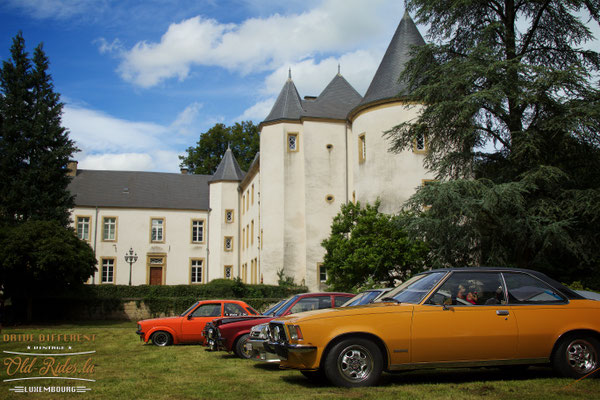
[(288, 104), (228, 169), (385, 83), (336, 100)]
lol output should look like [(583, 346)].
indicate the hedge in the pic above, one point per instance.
[(96, 301)]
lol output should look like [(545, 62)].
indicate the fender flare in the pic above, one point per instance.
[(162, 328)]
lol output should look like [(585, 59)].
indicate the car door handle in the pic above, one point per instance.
[(502, 312)]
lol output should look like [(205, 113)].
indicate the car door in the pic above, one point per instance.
[(466, 319), (541, 312), (193, 324)]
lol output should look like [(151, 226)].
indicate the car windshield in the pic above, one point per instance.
[(415, 289), (362, 298), (189, 309), (272, 310), (279, 312)]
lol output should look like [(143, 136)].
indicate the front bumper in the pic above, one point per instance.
[(141, 334), (283, 350), (259, 351)]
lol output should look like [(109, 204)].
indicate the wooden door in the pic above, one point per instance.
[(156, 275)]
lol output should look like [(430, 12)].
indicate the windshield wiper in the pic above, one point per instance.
[(389, 300)]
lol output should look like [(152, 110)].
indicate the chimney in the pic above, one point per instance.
[(185, 171), (72, 168)]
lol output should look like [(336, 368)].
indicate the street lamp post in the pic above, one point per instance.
[(130, 257)]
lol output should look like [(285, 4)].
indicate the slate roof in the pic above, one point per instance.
[(385, 84), (336, 100), (288, 104), (228, 169), (132, 189)]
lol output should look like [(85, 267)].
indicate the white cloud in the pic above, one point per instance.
[(257, 44), (258, 111), (107, 142)]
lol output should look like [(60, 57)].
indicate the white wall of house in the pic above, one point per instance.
[(250, 271), (133, 230), (223, 196)]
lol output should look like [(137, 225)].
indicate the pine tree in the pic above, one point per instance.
[(511, 73), (34, 147)]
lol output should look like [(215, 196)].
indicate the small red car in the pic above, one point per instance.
[(232, 334), (188, 327)]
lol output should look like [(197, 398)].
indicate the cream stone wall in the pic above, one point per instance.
[(282, 202), (391, 177), (223, 196), (250, 228), (325, 178), (133, 231)]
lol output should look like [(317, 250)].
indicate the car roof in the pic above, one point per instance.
[(571, 294)]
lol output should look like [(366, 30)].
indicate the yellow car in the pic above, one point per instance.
[(462, 317)]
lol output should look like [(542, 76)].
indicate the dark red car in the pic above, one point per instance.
[(231, 334)]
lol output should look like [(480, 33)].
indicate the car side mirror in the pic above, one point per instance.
[(190, 316)]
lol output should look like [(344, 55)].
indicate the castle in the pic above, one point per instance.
[(316, 153)]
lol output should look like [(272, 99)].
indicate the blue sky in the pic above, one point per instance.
[(141, 79)]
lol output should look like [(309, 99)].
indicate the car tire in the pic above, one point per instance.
[(317, 376), (240, 347), (354, 362), (162, 338), (576, 356)]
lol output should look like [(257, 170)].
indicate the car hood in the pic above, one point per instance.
[(345, 311)]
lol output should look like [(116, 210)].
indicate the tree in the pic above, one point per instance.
[(205, 157), (511, 73), (34, 148), (368, 246), (42, 257)]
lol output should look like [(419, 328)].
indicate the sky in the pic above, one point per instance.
[(142, 79)]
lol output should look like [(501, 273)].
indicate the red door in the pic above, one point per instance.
[(156, 275)]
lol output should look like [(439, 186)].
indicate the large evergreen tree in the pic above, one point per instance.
[(39, 252), (34, 147), (204, 158), (511, 73)]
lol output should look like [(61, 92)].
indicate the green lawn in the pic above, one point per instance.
[(124, 368)]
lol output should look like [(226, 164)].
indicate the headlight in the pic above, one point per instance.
[(211, 333), (260, 331), (295, 332)]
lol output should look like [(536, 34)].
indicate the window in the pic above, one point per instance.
[(229, 216), (292, 141), (208, 310), (247, 200), (322, 271), (83, 228), (245, 273), (228, 272), (234, 310), (196, 271), (252, 232), (198, 231), (362, 148), (228, 243), (247, 234), (243, 203), (311, 303), (252, 194), (329, 198), (157, 233), (420, 144), (469, 289), (109, 228), (243, 238), (108, 270), (525, 289), (339, 300)]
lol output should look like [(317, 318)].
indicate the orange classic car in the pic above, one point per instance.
[(188, 327), (446, 318)]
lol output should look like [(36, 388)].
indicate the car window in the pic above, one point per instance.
[(189, 309), (276, 307), (234, 310), (281, 310), (525, 289), (311, 303), (469, 289), (208, 310), (340, 300), (415, 289)]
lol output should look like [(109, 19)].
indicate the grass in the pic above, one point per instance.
[(125, 368)]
